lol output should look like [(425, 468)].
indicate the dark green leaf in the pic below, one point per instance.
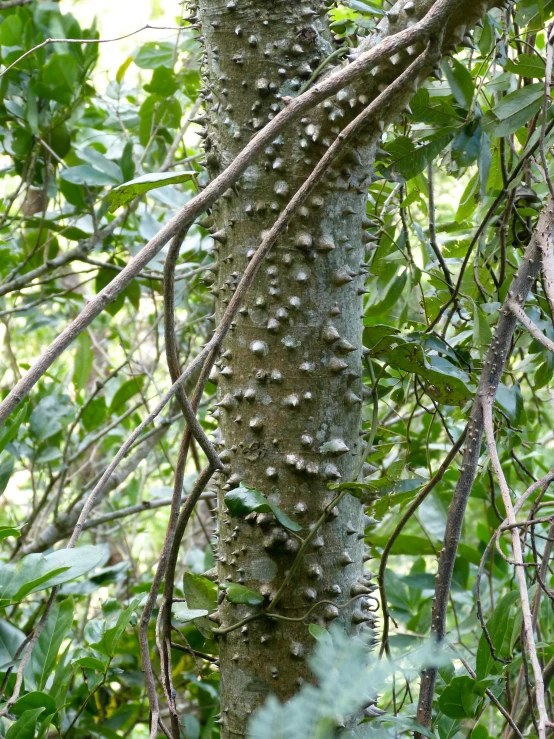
[(200, 592), (24, 727)]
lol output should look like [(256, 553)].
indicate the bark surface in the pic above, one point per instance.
[(290, 376)]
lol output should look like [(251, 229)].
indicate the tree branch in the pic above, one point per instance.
[(493, 368), (487, 403)]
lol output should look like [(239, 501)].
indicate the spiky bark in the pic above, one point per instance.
[(290, 385)]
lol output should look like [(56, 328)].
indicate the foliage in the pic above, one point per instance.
[(82, 191)]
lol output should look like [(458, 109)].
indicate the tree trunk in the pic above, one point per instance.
[(289, 378)]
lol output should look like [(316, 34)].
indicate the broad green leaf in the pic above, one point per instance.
[(183, 613), (510, 400), (108, 643), (318, 632), (405, 544), (155, 54), (91, 663), (11, 31), (45, 653), (9, 432), (101, 163), (84, 174), (244, 500), (84, 357), (444, 382), (499, 627), (130, 190), (10, 639), (126, 392), (458, 699), (527, 65), (200, 592), (33, 700), (515, 110), (461, 83), (393, 295), (240, 595), (38, 571), (7, 531), (409, 159), (482, 333), (6, 469), (49, 415), (24, 727)]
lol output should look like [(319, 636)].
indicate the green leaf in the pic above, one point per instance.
[(318, 632), (24, 727), (7, 531), (84, 174), (405, 544), (84, 357), (510, 400), (6, 470), (482, 334), (499, 627), (11, 31), (155, 54), (101, 163), (32, 701), (240, 595), (45, 653), (394, 293), (184, 614), (108, 643), (126, 392), (38, 571), (461, 83), (10, 640), (10, 429), (527, 65), (91, 663), (200, 592), (515, 110), (458, 700), (130, 190), (61, 72), (244, 500), (445, 383)]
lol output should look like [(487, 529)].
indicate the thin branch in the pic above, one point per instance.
[(14, 4), (533, 329), (147, 505), (433, 228), (487, 404), (49, 41), (492, 371)]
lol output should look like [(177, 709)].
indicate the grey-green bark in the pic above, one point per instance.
[(289, 378)]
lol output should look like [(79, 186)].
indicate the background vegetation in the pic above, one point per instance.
[(458, 185)]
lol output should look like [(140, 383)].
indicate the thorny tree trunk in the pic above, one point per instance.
[(289, 378)]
